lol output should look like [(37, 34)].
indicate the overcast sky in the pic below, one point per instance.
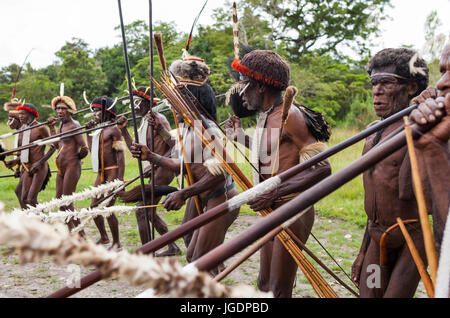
[(46, 25)]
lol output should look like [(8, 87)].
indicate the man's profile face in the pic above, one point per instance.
[(390, 93), (443, 85), (252, 98)]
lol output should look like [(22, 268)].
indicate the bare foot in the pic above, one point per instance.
[(171, 251), (102, 241), (115, 247)]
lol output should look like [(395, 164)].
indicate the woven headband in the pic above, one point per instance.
[(388, 74), (35, 113)]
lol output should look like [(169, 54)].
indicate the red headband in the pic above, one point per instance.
[(143, 95), (35, 113), (100, 106), (253, 74)]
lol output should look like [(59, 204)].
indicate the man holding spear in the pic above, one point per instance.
[(284, 136), (35, 173), (211, 183), (14, 123), (163, 144), (397, 75), (70, 152), (108, 160)]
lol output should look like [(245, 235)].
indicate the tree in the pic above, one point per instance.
[(301, 26), (79, 72), (434, 44)]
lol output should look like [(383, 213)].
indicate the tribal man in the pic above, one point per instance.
[(14, 123), (432, 148), (70, 152), (108, 161), (163, 144), (265, 74), (397, 75), (35, 170), (211, 184)]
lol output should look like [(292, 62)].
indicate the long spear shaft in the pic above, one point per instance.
[(322, 188), (130, 92), (152, 133), (57, 137), (23, 129)]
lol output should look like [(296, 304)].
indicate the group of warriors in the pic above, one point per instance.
[(398, 77)]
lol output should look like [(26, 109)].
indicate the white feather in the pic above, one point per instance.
[(61, 89)]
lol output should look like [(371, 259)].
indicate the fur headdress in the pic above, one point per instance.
[(190, 69), (66, 100), (11, 106), (407, 65), (264, 66), (29, 108)]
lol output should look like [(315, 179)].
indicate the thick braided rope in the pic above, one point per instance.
[(65, 216), (166, 276), (88, 193)]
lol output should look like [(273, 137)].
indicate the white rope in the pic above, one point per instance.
[(88, 193), (244, 197), (66, 216), (165, 276)]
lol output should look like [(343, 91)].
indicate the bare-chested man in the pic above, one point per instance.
[(163, 144), (211, 188), (14, 123), (70, 152), (108, 160), (35, 173), (264, 76), (397, 75)]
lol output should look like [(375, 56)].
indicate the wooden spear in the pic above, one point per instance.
[(130, 92), (305, 199), (420, 198), (152, 133), (289, 96)]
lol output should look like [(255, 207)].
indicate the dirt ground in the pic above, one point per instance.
[(42, 278)]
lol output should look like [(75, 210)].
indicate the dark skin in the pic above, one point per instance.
[(213, 234), (388, 195), (112, 157), (70, 153), (14, 123), (277, 268), (162, 147), (33, 179), (433, 161)]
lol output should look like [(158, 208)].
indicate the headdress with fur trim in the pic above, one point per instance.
[(29, 108), (110, 104), (190, 69), (11, 106), (66, 100), (407, 63), (264, 66)]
